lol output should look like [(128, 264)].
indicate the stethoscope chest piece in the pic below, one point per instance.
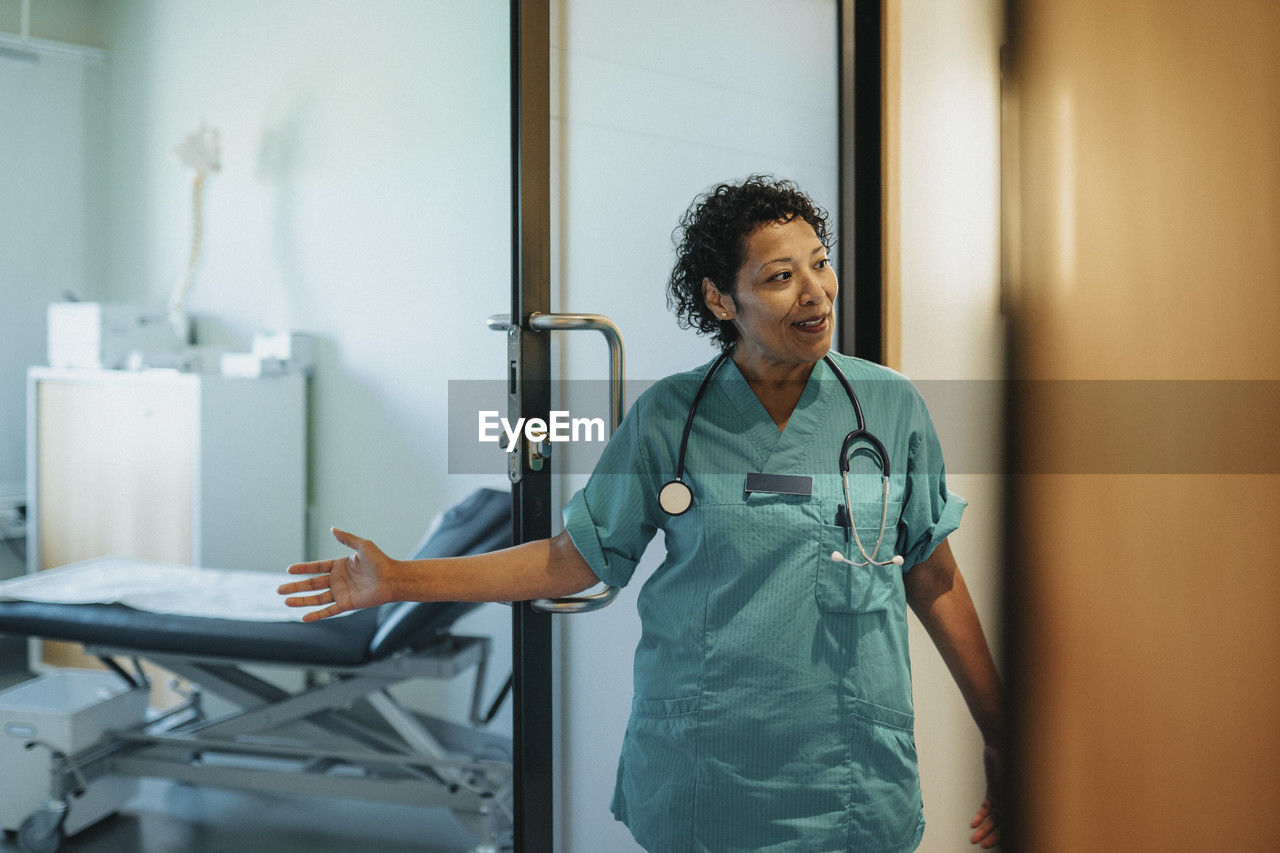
[(675, 498)]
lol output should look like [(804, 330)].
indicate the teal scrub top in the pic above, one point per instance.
[(772, 706)]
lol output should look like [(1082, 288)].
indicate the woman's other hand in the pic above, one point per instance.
[(360, 579), (986, 823), (985, 826)]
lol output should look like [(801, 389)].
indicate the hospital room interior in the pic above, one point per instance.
[(263, 261)]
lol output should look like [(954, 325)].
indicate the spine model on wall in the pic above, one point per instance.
[(202, 152)]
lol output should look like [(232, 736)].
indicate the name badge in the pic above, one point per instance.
[(779, 484)]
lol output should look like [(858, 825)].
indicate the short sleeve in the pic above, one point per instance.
[(931, 512), (612, 519)]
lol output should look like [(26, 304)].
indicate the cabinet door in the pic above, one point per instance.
[(114, 475)]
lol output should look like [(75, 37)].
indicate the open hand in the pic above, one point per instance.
[(361, 579)]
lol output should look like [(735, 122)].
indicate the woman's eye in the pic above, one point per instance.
[(782, 276), (825, 262)]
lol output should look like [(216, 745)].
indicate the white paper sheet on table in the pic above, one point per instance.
[(159, 588)]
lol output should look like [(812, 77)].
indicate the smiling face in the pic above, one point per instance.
[(782, 301)]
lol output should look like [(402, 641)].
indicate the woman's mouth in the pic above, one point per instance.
[(816, 326)]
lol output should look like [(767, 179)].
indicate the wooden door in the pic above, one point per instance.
[(1142, 201)]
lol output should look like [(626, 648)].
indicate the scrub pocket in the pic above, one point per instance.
[(657, 773), (842, 588), (886, 810)]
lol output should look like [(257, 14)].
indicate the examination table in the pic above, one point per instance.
[(343, 734)]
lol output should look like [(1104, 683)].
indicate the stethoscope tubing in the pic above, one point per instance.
[(676, 497), (693, 407)]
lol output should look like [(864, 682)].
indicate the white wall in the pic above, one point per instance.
[(52, 193), (952, 336), (655, 103), (364, 198)]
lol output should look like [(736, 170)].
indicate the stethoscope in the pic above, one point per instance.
[(676, 497)]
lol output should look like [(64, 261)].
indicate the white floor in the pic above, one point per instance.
[(167, 817)]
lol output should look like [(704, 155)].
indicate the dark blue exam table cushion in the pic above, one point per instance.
[(333, 642)]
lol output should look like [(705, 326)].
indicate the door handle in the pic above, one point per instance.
[(544, 322), (592, 323)]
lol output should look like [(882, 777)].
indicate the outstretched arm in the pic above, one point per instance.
[(367, 577), (937, 593)]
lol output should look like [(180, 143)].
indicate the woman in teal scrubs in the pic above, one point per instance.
[(772, 706)]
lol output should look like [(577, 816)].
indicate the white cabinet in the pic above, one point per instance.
[(165, 466)]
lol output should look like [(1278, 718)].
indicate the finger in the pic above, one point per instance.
[(319, 582), (985, 829), (310, 600), (349, 539), (318, 567), (316, 615), (991, 840), (983, 811)]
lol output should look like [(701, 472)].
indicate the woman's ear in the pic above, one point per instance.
[(720, 304)]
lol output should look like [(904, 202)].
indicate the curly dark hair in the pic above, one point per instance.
[(711, 242)]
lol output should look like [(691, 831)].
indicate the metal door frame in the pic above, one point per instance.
[(532, 711), (860, 157)]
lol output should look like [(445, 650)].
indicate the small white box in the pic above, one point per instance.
[(246, 365), (102, 335), (67, 710), (296, 350)]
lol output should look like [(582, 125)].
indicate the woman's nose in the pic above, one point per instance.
[(811, 292)]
